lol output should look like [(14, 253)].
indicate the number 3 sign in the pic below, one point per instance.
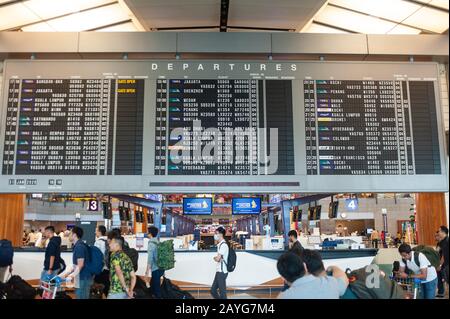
[(92, 205)]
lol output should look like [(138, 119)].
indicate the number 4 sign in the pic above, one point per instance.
[(92, 205), (351, 204)]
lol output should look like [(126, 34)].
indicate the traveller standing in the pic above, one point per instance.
[(52, 262), (80, 274), (219, 286), (123, 277), (6, 258), (444, 252), (101, 242), (294, 243), (152, 262), (38, 240), (374, 237), (31, 239), (420, 268)]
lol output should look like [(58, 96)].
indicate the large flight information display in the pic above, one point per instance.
[(65, 127), (220, 126), (371, 128), (236, 113)]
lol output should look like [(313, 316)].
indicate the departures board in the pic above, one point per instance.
[(220, 126)]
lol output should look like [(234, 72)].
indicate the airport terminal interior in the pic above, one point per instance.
[(320, 124)]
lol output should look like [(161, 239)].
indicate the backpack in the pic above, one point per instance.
[(232, 259), (387, 289), (171, 291), (166, 254), (95, 261), (6, 253), (63, 266), (107, 253), (133, 254), (431, 254)]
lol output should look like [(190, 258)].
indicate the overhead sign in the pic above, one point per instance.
[(92, 205), (197, 206), (152, 127), (351, 204), (246, 206)]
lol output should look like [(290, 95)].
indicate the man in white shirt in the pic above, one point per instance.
[(413, 266), (38, 242), (101, 239), (219, 286)]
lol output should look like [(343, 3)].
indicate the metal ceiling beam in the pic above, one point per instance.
[(224, 9), (384, 19), (428, 5), (111, 25)]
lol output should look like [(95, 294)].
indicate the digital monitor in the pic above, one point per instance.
[(197, 206), (246, 206)]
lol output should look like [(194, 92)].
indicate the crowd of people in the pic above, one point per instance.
[(302, 270)]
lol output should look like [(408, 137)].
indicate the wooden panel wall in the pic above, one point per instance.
[(430, 214), (12, 211)]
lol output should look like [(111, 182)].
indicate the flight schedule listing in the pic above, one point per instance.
[(68, 127), (371, 127), (217, 127)]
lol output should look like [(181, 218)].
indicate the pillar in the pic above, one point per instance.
[(261, 224), (286, 211), (157, 219), (169, 224), (272, 223), (253, 225), (12, 215), (176, 225), (430, 214)]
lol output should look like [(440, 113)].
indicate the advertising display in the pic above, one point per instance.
[(197, 206), (246, 206)]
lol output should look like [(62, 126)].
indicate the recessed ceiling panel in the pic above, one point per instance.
[(155, 14)]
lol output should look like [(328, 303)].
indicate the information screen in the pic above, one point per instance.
[(371, 127), (246, 206), (72, 127), (197, 206), (219, 127), (152, 127)]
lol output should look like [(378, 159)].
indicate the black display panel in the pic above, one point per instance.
[(74, 127), (223, 127), (371, 128)]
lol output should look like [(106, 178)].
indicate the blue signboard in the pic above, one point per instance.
[(351, 204), (246, 206), (197, 206)]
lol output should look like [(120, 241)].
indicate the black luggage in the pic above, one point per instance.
[(171, 291), (17, 288), (141, 291)]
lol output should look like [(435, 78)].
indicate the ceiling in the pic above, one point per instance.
[(311, 16)]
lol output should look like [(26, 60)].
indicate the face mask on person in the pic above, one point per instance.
[(216, 237)]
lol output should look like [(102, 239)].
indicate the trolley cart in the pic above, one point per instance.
[(412, 286), (51, 287)]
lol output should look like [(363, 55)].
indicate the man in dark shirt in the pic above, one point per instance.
[(52, 262), (294, 244), (80, 273), (443, 245)]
